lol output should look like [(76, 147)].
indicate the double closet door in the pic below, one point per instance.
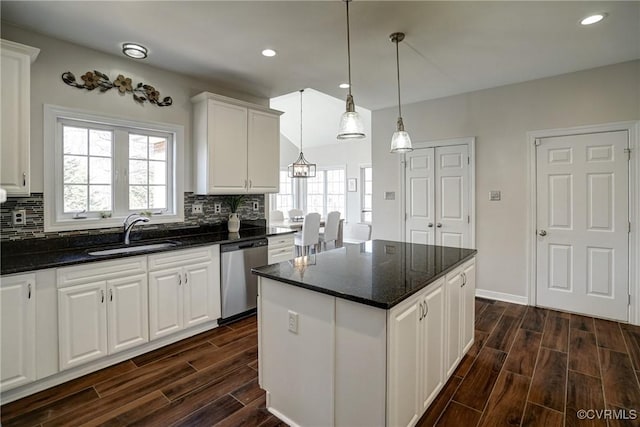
[(437, 199)]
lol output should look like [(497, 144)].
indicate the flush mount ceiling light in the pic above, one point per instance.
[(593, 19), (344, 85), (269, 52), (350, 124), (301, 168), (400, 142), (134, 50)]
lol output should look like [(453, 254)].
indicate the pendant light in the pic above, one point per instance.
[(301, 168), (350, 124), (400, 142)]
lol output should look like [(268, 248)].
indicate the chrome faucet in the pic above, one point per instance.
[(129, 223)]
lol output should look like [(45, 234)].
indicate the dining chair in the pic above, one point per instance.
[(357, 233), (276, 216), (330, 233), (293, 213), (309, 235)]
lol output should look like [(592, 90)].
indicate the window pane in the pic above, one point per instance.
[(138, 197), (157, 173), (99, 198), (158, 197), (138, 171), (137, 146), (75, 198), (99, 170), (75, 169), (100, 142), (367, 202), (74, 140), (366, 217), (157, 148)]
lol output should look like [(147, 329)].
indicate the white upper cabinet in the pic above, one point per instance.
[(237, 146), (15, 86)]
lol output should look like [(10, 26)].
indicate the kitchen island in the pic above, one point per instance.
[(364, 335)]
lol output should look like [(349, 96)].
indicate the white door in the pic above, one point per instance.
[(165, 302), (18, 317), (467, 311), (437, 196), (263, 152), (127, 314), (82, 324), (432, 345), (198, 294), (582, 224), (420, 197)]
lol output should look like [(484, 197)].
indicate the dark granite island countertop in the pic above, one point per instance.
[(379, 273)]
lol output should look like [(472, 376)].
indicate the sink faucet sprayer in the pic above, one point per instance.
[(128, 225)]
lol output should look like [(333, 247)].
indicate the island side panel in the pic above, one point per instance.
[(297, 369), (361, 364)]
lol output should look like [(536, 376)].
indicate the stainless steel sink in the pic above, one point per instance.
[(136, 248)]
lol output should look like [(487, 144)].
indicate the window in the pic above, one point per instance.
[(284, 200), (366, 191), (104, 168), (326, 192)]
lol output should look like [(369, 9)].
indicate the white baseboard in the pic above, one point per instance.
[(500, 296)]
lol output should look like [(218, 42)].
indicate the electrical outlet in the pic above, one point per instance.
[(255, 206), (494, 195), (19, 217), (196, 209), (217, 208), (293, 322)]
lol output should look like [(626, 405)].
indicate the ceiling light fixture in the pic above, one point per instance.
[(134, 50), (269, 52), (593, 19), (344, 85), (350, 124), (400, 142), (301, 168)]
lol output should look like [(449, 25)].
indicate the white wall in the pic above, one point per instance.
[(47, 87), (499, 118)]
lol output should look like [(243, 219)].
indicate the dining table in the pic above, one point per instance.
[(295, 224)]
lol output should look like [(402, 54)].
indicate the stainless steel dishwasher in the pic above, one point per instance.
[(239, 286)]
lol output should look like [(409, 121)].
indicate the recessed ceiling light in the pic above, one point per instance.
[(134, 50), (592, 19), (269, 52), (344, 85)]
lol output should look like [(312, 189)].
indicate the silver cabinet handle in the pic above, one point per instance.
[(250, 184), (179, 279), (439, 225), (245, 184), (24, 179), (430, 225), (542, 233), (426, 309), (110, 294), (421, 311), (464, 279), (102, 296), (29, 288), (186, 278)]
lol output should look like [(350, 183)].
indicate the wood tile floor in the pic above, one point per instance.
[(527, 367)]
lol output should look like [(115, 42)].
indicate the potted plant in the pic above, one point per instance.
[(234, 203)]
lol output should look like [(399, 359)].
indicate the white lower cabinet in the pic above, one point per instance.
[(416, 343), (102, 309), (18, 339), (184, 289), (453, 283), (468, 298), (281, 248)]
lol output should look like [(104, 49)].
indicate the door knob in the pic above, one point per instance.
[(430, 225), (439, 225), (542, 233)]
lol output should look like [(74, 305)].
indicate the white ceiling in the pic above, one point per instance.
[(451, 47)]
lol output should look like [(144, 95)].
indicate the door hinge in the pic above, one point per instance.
[(468, 160), (629, 299), (628, 152), (629, 226), (468, 219), (537, 142)]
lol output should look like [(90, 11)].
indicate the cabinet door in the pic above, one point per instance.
[(127, 312), (198, 290), (18, 339), (82, 323), (468, 298), (227, 137), (15, 74), (404, 363), (453, 292), (263, 152), (165, 302), (432, 345)]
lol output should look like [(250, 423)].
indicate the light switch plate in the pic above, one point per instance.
[(256, 206), (494, 195), (389, 195)]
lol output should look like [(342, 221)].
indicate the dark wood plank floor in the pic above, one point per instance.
[(527, 367)]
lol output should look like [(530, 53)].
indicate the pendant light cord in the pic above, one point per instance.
[(398, 70), (348, 46), (301, 90)]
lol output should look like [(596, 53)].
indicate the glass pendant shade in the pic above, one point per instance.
[(400, 141), (301, 168)]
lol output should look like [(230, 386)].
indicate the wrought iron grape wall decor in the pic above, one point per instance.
[(96, 80)]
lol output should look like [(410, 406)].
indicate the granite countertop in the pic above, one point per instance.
[(380, 273), (37, 254)]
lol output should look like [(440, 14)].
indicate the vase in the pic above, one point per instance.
[(234, 223)]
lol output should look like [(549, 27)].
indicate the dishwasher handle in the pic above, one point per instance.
[(230, 247)]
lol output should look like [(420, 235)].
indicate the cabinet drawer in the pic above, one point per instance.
[(280, 241), (99, 271), (279, 255), (180, 257)]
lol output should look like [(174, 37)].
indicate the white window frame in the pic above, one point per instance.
[(362, 194), (54, 219), (303, 202)]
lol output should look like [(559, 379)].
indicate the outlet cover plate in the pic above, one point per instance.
[(19, 217), (197, 209), (217, 208)]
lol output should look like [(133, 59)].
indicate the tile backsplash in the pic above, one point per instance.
[(34, 207)]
